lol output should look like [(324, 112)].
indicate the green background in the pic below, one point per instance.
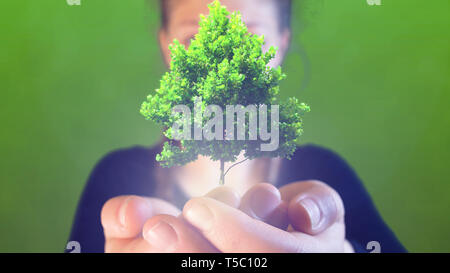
[(73, 78)]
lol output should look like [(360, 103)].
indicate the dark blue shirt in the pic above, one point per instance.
[(132, 172)]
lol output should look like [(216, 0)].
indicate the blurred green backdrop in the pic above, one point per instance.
[(73, 78)]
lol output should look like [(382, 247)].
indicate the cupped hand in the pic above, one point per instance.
[(141, 224), (314, 211), (223, 222)]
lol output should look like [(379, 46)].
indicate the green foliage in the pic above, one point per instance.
[(224, 65)]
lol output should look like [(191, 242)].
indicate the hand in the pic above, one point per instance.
[(141, 224), (262, 202), (129, 222), (314, 210)]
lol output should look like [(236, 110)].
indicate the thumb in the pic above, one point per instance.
[(313, 206)]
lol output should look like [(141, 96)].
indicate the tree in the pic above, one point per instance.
[(224, 65)]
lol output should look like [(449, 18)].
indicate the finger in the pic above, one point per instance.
[(313, 206), (134, 245), (231, 230), (263, 202), (225, 195), (166, 233), (124, 216)]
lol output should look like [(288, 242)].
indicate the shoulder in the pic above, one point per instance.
[(313, 162), (312, 152), (317, 158), (126, 157), (121, 172), (124, 171)]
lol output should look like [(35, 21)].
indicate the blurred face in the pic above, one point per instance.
[(260, 16)]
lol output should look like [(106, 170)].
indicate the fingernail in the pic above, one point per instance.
[(313, 210), (162, 236), (200, 216), (123, 212), (263, 203)]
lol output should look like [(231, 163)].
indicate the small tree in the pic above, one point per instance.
[(224, 65)]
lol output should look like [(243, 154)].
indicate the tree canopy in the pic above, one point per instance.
[(223, 65)]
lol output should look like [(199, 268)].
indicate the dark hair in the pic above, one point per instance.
[(284, 12)]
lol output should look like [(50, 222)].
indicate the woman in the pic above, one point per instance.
[(130, 204)]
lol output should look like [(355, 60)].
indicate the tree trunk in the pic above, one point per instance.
[(222, 174)]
